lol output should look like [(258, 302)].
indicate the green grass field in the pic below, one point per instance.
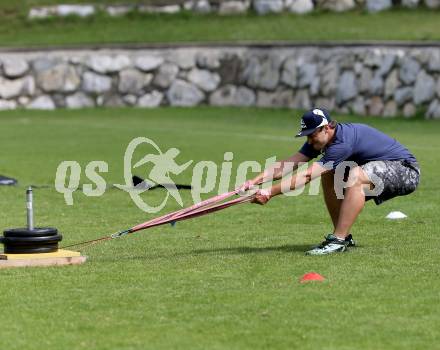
[(405, 25), (224, 281)]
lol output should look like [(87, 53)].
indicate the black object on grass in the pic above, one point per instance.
[(138, 181), (7, 181)]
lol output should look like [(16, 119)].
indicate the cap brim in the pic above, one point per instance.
[(305, 132)]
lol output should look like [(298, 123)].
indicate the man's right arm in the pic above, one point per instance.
[(280, 169)]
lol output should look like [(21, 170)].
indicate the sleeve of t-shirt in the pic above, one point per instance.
[(309, 151), (336, 154)]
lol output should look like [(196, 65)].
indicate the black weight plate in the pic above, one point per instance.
[(36, 232), (31, 240), (31, 250)]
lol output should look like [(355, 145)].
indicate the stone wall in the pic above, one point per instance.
[(384, 81), (228, 7)]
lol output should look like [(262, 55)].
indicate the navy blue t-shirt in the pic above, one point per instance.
[(359, 143)]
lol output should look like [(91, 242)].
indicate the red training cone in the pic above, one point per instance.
[(311, 276)]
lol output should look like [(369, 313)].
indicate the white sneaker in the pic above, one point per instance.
[(331, 245)]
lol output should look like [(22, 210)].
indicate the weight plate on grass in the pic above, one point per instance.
[(31, 240), (25, 232), (30, 249)]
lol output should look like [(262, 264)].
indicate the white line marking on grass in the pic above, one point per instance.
[(206, 132), (256, 135)]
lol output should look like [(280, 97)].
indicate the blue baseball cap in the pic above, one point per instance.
[(312, 120)]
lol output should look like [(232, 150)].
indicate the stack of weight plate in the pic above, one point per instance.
[(26, 241)]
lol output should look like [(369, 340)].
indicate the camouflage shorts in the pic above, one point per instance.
[(399, 177)]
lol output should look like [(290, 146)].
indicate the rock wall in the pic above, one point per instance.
[(228, 7), (384, 81)]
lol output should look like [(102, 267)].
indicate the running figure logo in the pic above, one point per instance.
[(163, 164)]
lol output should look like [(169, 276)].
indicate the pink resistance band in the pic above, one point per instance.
[(202, 208), (207, 206)]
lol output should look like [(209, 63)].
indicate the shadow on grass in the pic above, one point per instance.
[(289, 248)]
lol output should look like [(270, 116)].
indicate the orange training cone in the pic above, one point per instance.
[(311, 276)]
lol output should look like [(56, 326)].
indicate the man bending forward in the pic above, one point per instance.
[(375, 165)]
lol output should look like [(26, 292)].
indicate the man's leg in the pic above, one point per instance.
[(331, 201), (353, 202), (331, 244)]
